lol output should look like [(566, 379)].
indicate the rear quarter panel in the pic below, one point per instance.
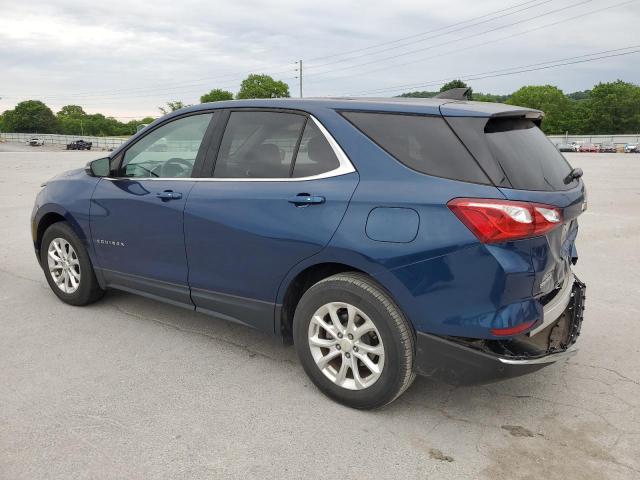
[(444, 280)]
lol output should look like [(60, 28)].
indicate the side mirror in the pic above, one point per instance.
[(99, 168)]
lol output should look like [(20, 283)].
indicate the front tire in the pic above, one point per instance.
[(67, 266), (353, 341)]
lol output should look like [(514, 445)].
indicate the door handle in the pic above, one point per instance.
[(169, 195), (305, 199)]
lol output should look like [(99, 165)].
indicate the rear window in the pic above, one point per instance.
[(422, 143), (514, 152), (528, 158)]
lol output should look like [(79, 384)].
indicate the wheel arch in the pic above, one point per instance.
[(299, 282), (50, 216), (314, 269)]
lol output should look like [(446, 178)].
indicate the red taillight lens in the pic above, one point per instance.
[(495, 221)]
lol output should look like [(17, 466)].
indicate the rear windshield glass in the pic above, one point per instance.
[(423, 143), (529, 160)]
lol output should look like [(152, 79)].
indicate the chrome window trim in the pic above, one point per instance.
[(345, 166)]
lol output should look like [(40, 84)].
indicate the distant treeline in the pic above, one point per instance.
[(608, 108), (33, 116)]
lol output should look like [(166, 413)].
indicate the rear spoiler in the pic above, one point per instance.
[(455, 94), (535, 116), (458, 108)]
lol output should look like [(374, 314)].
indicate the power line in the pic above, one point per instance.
[(523, 68), (202, 81), (401, 45), (410, 52), (150, 92), (499, 39), (417, 34), (448, 78), (127, 98)]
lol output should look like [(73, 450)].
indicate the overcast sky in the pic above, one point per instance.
[(124, 58)]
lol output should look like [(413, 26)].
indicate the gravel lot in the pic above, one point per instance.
[(130, 388)]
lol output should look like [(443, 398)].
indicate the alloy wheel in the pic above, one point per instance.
[(346, 345), (64, 265)]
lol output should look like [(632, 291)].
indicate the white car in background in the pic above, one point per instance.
[(35, 142), (631, 148)]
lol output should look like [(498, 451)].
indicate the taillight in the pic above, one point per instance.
[(495, 221)]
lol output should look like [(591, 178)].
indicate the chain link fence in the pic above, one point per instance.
[(109, 143), (596, 139)]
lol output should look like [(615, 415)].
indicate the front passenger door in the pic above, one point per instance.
[(137, 214)]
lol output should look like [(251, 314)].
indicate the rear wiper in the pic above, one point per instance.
[(573, 174)]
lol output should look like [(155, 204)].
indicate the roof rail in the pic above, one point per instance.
[(455, 94)]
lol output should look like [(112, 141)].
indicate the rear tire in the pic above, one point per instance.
[(354, 343), (67, 266)]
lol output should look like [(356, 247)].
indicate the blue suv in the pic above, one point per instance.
[(384, 238)]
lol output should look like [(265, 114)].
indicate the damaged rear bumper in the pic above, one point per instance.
[(467, 361)]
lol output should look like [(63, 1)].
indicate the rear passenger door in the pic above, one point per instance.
[(276, 193)]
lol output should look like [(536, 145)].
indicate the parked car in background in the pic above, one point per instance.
[(589, 147), (79, 145), (565, 147), (608, 148), (35, 141), (576, 146), (459, 267), (631, 148)]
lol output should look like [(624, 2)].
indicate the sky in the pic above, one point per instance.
[(126, 58)]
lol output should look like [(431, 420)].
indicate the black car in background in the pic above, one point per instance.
[(79, 145)]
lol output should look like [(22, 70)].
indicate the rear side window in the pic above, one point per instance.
[(259, 145), (528, 159), (315, 155), (423, 143)]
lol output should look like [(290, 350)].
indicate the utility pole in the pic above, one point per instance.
[(299, 77)]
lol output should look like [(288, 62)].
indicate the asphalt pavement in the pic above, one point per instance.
[(133, 389)]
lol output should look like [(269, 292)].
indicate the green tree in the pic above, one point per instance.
[(262, 86), (490, 97), (418, 94), (614, 107), (457, 84), (71, 111), (30, 116), (71, 119), (578, 117), (551, 100), (581, 95), (216, 95), (172, 106)]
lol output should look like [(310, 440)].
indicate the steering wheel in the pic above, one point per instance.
[(176, 167)]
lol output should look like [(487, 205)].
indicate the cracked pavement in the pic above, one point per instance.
[(130, 388)]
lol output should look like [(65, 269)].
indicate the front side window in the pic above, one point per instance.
[(259, 145), (169, 151)]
